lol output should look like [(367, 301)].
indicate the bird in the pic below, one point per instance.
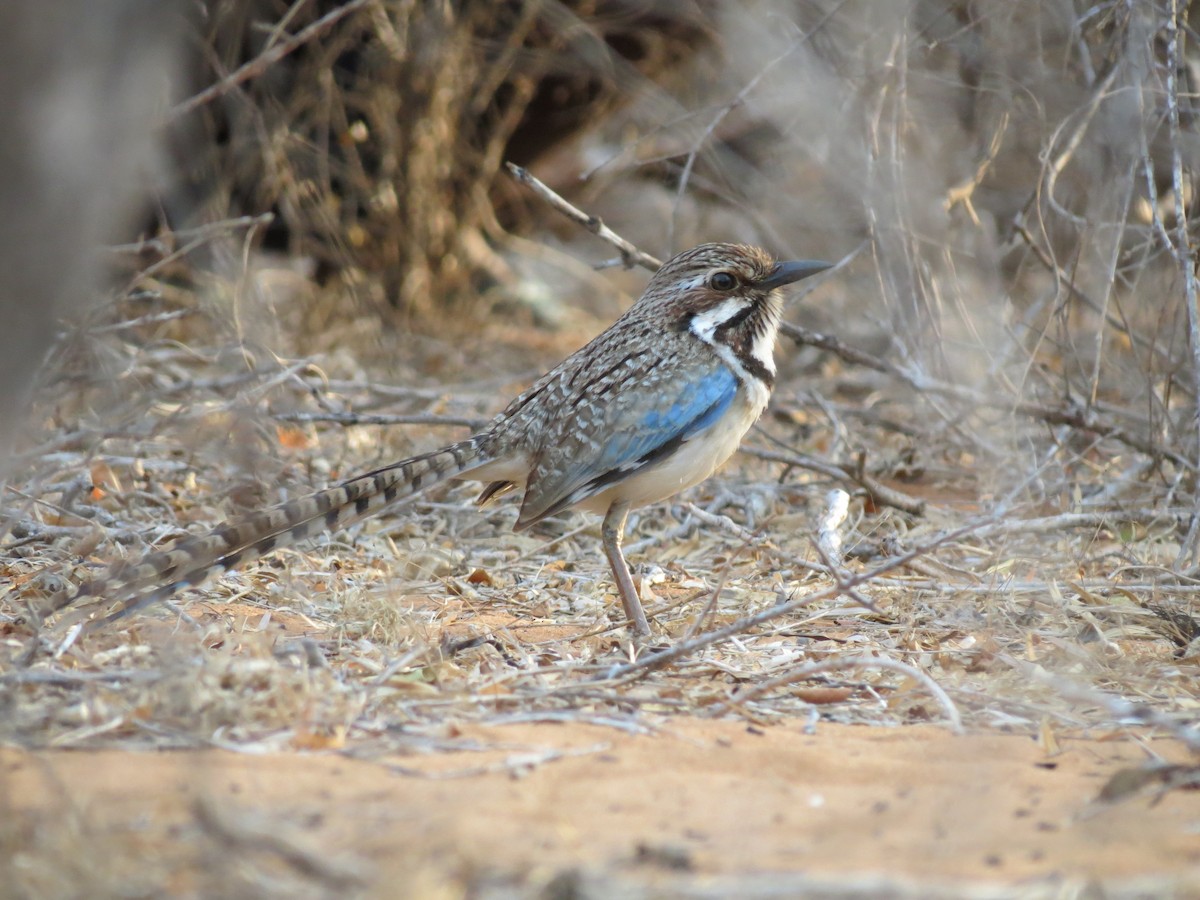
[(650, 407)]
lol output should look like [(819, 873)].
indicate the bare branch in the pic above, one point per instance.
[(879, 492), (630, 254), (380, 419), (266, 59), (840, 663)]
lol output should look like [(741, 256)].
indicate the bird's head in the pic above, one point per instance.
[(727, 295)]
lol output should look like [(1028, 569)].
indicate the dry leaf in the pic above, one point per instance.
[(307, 739), (103, 477), (819, 696), (292, 438), (480, 576)]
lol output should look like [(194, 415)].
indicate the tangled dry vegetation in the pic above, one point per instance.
[(999, 373)]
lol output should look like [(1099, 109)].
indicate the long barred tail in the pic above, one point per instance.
[(192, 560)]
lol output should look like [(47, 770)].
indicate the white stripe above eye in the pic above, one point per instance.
[(704, 325)]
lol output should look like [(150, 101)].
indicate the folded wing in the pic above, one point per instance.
[(635, 429)]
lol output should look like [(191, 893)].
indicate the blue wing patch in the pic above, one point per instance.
[(700, 407), (646, 436), (660, 430)]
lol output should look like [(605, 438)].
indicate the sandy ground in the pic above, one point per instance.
[(691, 808)]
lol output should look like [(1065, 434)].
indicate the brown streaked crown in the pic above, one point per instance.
[(685, 280)]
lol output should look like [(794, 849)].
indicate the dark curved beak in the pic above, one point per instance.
[(789, 272)]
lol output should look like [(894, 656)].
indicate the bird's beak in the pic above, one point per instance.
[(788, 272)]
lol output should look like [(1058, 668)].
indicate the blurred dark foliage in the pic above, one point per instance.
[(377, 145)]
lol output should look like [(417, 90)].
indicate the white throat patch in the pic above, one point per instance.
[(704, 325), (763, 349)]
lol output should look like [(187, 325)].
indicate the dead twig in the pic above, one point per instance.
[(246, 833), (1116, 707), (630, 254), (1065, 521), (880, 493), (840, 663), (157, 318), (267, 58), (380, 419), (1072, 415), (202, 237), (806, 337)]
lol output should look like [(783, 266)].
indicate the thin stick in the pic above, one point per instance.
[(202, 237), (379, 419), (879, 492), (808, 338), (265, 60), (1072, 415), (1112, 519), (837, 663), (1115, 706), (630, 254)]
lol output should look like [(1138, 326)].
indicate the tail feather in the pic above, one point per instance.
[(192, 560)]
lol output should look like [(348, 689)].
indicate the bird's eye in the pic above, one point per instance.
[(722, 281)]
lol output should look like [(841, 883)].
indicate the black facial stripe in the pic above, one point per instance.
[(754, 367), (738, 318), (741, 343)]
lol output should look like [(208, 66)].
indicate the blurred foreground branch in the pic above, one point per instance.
[(81, 86), (1183, 255)]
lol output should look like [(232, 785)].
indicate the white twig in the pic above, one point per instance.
[(67, 641), (829, 536)]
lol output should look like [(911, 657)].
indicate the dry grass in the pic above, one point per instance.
[(1001, 178)]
